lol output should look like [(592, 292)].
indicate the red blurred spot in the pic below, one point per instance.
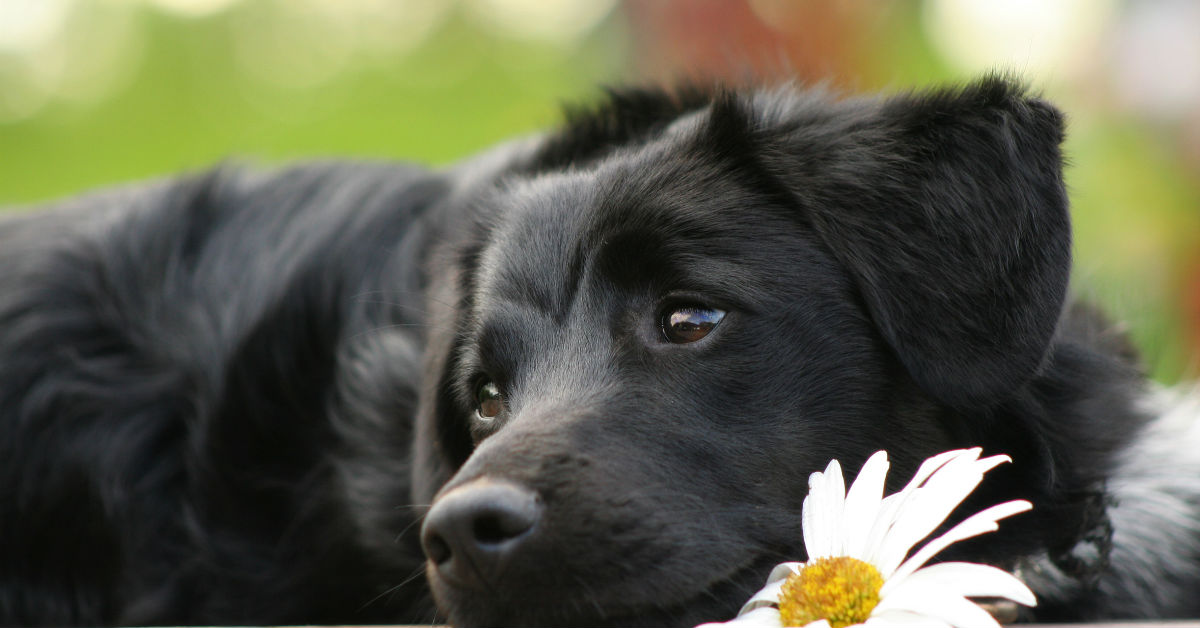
[(1191, 301), (732, 40)]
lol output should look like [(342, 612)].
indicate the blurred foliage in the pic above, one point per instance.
[(274, 80), (192, 103)]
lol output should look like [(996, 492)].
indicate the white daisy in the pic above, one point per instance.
[(857, 542)]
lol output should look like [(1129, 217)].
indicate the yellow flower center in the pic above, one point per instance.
[(841, 590)]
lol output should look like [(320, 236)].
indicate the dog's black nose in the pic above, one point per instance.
[(474, 530)]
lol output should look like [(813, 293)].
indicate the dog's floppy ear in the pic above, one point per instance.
[(949, 210)]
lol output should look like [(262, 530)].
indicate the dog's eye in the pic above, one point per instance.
[(690, 323), (488, 402)]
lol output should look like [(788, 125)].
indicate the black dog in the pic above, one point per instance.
[(586, 374)]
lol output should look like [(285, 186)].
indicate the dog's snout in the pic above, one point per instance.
[(473, 531)]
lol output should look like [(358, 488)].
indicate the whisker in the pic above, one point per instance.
[(408, 527), (380, 328), (420, 571)]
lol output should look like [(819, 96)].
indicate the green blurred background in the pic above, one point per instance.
[(94, 92)]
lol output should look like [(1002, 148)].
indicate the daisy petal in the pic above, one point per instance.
[(902, 619), (883, 522), (932, 465), (766, 617), (863, 503), (769, 594), (952, 609), (766, 596), (930, 504), (981, 522), (835, 494), (810, 528), (968, 580), (812, 516), (783, 570), (948, 486), (893, 504)]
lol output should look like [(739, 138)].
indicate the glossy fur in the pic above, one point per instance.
[(231, 398)]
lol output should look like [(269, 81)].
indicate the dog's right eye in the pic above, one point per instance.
[(488, 401), (690, 323)]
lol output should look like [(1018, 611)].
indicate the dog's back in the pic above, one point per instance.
[(167, 357)]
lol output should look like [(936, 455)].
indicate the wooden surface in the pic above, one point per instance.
[(1189, 623)]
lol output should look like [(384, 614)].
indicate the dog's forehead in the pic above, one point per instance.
[(532, 240), (548, 228)]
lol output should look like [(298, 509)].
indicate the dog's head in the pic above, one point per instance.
[(660, 324)]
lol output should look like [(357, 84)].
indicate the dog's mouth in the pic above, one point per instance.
[(718, 601), (588, 604)]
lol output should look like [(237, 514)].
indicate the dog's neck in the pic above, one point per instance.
[(1152, 565)]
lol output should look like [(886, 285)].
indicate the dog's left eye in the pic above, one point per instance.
[(690, 323), (488, 401)]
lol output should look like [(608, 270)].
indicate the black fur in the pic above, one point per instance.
[(231, 398)]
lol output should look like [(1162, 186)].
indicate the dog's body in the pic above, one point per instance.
[(609, 357)]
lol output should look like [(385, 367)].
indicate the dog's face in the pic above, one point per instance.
[(652, 357), (646, 354)]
